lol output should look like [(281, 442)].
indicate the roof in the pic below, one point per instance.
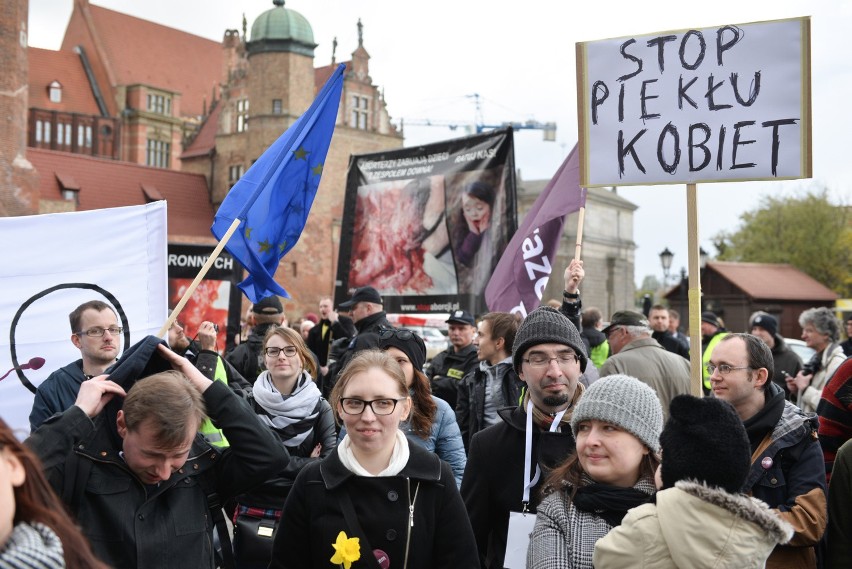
[(65, 67), (143, 52), (280, 23), (322, 74), (109, 183), (771, 281), (205, 140)]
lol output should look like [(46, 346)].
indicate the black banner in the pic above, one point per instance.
[(426, 225), (217, 298)]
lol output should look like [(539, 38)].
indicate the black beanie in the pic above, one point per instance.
[(704, 440), (546, 325), (412, 346)]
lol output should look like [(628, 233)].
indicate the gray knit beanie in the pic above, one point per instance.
[(623, 401), (546, 325)]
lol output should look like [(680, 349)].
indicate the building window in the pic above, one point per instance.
[(159, 154), (235, 173), (276, 106), (63, 134), (84, 136), (360, 112), (159, 104), (38, 134), (55, 92), (69, 195), (242, 115)]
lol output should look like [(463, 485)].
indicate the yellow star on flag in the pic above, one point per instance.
[(317, 170), (264, 246), (300, 153)]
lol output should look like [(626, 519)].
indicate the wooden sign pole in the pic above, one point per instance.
[(695, 364)]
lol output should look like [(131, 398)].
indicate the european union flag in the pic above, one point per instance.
[(272, 200)]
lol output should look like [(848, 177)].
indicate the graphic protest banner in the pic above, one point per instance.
[(52, 264), (216, 299), (704, 105), (426, 226)]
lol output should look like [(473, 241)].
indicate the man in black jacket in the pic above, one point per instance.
[(786, 361), (247, 357), (447, 369), (658, 317), (135, 473)]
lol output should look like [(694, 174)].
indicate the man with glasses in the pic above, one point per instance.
[(636, 353), (96, 333), (504, 473), (787, 468)]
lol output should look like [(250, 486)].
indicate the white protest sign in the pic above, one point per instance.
[(714, 104), (55, 262)]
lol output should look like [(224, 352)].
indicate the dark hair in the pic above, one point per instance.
[(77, 314), (658, 307), (35, 501), (295, 338), (423, 407), (569, 475), (503, 325), (591, 316), (481, 191), (674, 313), (758, 353)]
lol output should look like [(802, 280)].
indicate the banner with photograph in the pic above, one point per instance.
[(217, 298), (426, 225)]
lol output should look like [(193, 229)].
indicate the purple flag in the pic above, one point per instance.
[(524, 269)]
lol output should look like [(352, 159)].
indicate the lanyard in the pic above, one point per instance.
[(528, 452)]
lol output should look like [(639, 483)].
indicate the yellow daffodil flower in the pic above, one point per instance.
[(346, 550)]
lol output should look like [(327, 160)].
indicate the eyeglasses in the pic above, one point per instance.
[(402, 334), (97, 331), (543, 360), (289, 351), (724, 369), (352, 406)]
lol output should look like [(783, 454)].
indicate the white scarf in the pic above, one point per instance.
[(292, 416), (398, 459), (33, 546)]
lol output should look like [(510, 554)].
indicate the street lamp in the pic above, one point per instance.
[(666, 261), (702, 258)]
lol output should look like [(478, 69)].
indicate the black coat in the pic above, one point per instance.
[(470, 409), (447, 370), (494, 478), (440, 537), (167, 526), (671, 343), (321, 344)]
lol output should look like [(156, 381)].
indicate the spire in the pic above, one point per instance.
[(333, 49), (360, 33)]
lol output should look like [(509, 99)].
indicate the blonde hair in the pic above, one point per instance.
[(364, 361), (295, 338)]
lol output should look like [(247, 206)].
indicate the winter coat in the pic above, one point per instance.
[(247, 358), (672, 344), (166, 526), (830, 360), (835, 414), (313, 517), (559, 525), (789, 475), (57, 393), (470, 408), (447, 370), (494, 478), (839, 553), (321, 344), (272, 494), (786, 362), (650, 363), (692, 525)]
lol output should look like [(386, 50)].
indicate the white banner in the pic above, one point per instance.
[(52, 264), (703, 105)]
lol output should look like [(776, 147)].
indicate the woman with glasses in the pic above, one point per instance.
[(617, 426), (432, 424), (378, 500), (287, 400), (35, 530)]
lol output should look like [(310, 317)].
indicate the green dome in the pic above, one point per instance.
[(281, 29)]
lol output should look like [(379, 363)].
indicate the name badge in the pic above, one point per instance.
[(520, 529)]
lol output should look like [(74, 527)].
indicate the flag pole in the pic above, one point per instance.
[(201, 273), (582, 216)]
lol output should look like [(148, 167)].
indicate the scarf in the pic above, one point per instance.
[(33, 546), (609, 502), (291, 416), (398, 459), (544, 420)]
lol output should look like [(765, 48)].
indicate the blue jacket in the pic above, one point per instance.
[(789, 475), (56, 393)]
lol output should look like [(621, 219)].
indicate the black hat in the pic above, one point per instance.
[(767, 322), (363, 294), (268, 305), (704, 440), (406, 341), (710, 318), (546, 325), (461, 317), (626, 318)]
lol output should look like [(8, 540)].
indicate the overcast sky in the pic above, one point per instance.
[(519, 57)]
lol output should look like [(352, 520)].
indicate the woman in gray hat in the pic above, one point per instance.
[(617, 426)]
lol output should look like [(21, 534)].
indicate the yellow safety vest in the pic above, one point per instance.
[(705, 358), (210, 433)]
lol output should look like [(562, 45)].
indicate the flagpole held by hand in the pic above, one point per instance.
[(203, 271)]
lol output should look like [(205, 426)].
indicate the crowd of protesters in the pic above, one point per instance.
[(560, 440)]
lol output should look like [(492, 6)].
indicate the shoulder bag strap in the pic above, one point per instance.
[(214, 504), (355, 527)]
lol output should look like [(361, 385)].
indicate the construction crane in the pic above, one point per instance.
[(548, 128)]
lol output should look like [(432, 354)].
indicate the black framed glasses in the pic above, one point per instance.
[(401, 333), (97, 331), (289, 351), (543, 360), (354, 406), (724, 369)]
